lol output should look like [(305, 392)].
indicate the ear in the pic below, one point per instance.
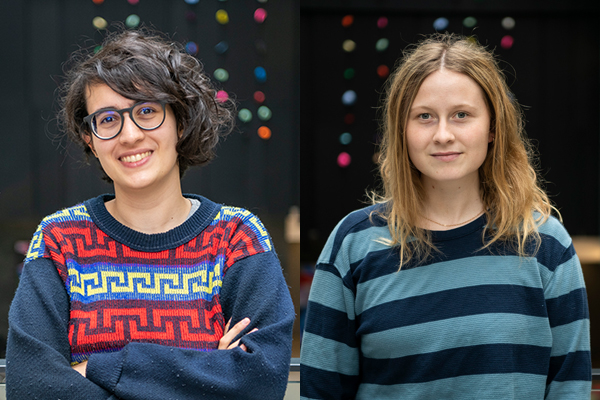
[(491, 137), (90, 142)]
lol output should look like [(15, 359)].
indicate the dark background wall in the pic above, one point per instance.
[(553, 68), (41, 173)]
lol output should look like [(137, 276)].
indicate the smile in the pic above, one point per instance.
[(446, 157), (135, 157)]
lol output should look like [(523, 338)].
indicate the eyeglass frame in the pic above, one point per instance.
[(121, 112)]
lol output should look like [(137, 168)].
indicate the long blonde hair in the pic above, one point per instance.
[(510, 189)]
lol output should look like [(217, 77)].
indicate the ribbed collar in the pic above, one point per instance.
[(461, 231), (155, 242)]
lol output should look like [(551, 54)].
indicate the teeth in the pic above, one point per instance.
[(135, 157)]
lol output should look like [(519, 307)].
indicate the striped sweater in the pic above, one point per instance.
[(466, 324), (148, 311)]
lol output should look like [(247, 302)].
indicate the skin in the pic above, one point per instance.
[(148, 195), (448, 134)]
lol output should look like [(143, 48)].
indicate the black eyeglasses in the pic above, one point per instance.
[(108, 122)]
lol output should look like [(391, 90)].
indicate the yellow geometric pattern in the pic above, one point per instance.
[(149, 283), (249, 218)]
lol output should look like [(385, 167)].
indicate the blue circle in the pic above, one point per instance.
[(349, 97), (440, 24), (345, 138), (191, 48), (260, 74), (192, 1), (221, 47)]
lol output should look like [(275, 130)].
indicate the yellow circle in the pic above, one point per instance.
[(99, 23), (349, 45), (222, 17)]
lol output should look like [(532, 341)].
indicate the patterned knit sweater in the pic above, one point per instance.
[(147, 311), (468, 324)]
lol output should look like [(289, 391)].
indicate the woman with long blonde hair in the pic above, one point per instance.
[(457, 283)]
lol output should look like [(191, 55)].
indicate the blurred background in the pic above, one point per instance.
[(550, 53), (249, 48)]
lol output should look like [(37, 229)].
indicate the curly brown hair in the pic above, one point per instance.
[(145, 65)]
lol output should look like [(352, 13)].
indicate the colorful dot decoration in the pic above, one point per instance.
[(344, 159), (99, 23), (221, 75), (222, 17), (133, 2), (222, 47), (382, 22), (222, 96), (508, 23), (259, 97), (440, 24), (264, 113), (264, 132), (382, 44), (260, 74), (469, 22), (132, 21), (349, 98), (260, 15), (347, 21), (507, 42), (349, 46), (192, 1), (245, 115), (345, 138), (349, 73), (191, 48)]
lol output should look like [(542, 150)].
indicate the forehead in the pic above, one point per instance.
[(445, 87), (100, 95)]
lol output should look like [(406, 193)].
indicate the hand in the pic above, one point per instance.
[(81, 367), (225, 342)]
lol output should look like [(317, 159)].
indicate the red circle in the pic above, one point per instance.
[(383, 71), (259, 97)]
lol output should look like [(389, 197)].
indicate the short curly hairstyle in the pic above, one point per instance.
[(145, 65)]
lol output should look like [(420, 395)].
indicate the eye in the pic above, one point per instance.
[(461, 115), (425, 116), (106, 117)]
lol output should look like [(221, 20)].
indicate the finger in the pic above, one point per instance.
[(232, 333), (243, 347), (231, 346), (227, 326)]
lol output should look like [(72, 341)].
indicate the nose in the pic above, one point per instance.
[(130, 133), (443, 133)]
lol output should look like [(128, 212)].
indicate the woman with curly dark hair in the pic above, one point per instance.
[(148, 293)]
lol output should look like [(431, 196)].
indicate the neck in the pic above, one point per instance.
[(150, 211), (450, 203)]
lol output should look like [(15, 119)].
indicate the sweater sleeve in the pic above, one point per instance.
[(253, 287), (38, 354), (570, 371)]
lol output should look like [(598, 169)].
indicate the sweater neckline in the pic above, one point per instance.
[(140, 241), (474, 226)]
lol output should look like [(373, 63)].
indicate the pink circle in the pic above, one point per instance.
[(344, 159), (382, 22), (133, 2), (222, 96), (507, 42), (260, 15)]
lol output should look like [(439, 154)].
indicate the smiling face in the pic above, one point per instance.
[(136, 158), (448, 128)]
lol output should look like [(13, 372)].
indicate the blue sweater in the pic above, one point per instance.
[(466, 324), (147, 311)]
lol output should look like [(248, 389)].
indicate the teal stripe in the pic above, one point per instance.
[(331, 355), (473, 271), (329, 290), (514, 386), (567, 277), (554, 228), (568, 338), (356, 245), (446, 334), (569, 390)]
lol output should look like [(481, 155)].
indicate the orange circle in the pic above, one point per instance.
[(347, 21), (383, 71), (264, 132)]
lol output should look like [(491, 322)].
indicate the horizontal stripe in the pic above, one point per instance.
[(554, 228), (449, 275), (104, 281), (319, 384), (570, 390), (460, 302), (575, 366), (472, 360), (331, 324), (566, 277), (467, 331), (332, 356), (571, 337), (327, 289), (568, 308), (513, 386)]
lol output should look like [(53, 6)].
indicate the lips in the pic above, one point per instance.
[(135, 157), (446, 156)]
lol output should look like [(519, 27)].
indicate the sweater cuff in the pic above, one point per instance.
[(104, 369)]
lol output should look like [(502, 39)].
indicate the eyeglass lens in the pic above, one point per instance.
[(148, 116)]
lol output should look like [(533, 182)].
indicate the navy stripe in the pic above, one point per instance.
[(574, 366), (330, 324), (329, 268), (472, 360), (568, 308), (451, 304), (552, 253), (320, 384), (354, 222)]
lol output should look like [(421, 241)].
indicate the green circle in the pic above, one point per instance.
[(132, 21), (221, 75), (245, 115), (382, 44), (349, 73), (345, 138), (264, 113), (469, 22)]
